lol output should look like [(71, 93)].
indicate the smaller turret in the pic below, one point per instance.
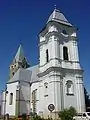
[(19, 61)]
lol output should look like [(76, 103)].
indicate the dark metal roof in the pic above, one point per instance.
[(57, 16)]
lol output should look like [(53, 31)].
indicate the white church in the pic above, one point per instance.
[(56, 82)]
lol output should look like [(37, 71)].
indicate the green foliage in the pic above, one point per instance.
[(87, 99), (67, 114)]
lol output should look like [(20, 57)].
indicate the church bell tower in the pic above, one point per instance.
[(60, 65), (18, 62)]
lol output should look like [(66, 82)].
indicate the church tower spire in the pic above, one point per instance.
[(19, 61), (20, 54)]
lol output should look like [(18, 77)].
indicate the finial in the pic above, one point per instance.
[(21, 43), (55, 6)]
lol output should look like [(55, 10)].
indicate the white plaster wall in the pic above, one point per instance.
[(55, 46), (71, 44), (45, 101), (69, 100), (54, 96), (52, 46), (11, 88), (55, 59), (76, 100), (24, 98), (41, 100), (56, 93), (42, 55), (49, 46), (2, 102), (80, 94)]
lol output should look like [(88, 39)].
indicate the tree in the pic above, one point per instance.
[(87, 100), (67, 114)]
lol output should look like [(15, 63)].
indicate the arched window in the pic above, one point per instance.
[(69, 87), (13, 73), (47, 56), (11, 99), (65, 53), (64, 32), (46, 89)]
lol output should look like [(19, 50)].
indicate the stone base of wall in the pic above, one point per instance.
[(53, 115)]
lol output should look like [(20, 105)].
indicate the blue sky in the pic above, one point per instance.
[(22, 20)]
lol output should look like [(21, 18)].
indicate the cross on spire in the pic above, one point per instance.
[(55, 6)]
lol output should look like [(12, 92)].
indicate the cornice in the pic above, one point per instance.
[(59, 37), (60, 60), (59, 69)]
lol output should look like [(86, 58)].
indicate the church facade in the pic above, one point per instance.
[(58, 78)]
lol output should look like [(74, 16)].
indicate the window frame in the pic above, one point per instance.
[(65, 53), (45, 89), (47, 56), (67, 88), (64, 32), (11, 99)]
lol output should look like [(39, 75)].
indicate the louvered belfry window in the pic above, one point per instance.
[(47, 56), (65, 53)]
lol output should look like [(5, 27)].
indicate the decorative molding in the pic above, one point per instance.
[(79, 77), (58, 35), (30, 83), (56, 23), (18, 81), (48, 39), (23, 100), (54, 75), (60, 69), (55, 81), (41, 86), (60, 60)]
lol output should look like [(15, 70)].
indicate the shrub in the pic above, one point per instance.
[(67, 114)]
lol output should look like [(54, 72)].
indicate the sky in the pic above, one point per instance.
[(22, 20)]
